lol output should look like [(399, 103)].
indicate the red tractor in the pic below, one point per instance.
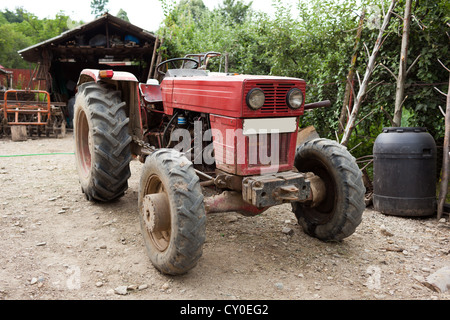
[(210, 142)]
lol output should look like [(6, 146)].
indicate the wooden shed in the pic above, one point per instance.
[(107, 42)]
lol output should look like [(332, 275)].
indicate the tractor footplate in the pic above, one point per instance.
[(268, 190)]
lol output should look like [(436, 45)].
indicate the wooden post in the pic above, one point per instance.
[(445, 161), (402, 72), (19, 133), (226, 62), (107, 34), (152, 64), (158, 61)]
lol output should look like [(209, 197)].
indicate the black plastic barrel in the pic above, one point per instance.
[(404, 172)]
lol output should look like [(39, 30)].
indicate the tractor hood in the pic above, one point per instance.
[(225, 94)]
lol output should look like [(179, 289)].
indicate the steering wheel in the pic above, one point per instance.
[(172, 62)]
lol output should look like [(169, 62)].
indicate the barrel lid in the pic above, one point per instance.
[(404, 129), (405, 141)]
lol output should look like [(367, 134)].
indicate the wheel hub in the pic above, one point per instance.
[(156, 212), (83, 144)]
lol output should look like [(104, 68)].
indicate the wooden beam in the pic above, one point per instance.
[(152, 64)]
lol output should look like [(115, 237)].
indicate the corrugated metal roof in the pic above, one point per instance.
[(3, 70)]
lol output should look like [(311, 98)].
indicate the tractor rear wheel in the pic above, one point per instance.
[(172, 213), (339, 213), (102, 142)]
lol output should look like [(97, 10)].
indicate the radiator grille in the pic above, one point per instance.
[(275, 96)]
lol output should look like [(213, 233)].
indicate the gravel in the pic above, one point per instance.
[(57, 245)]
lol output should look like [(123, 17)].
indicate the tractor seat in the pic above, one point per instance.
[(150, 92)]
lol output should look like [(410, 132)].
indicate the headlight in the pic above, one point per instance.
[(255, 98), (294, 98)]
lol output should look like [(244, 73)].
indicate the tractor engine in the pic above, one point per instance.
[(249, 123), (239, 131)]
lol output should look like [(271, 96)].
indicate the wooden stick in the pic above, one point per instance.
[(389, 117), (152, 64), (402, 72), (359, 78), (376, 85), (389, 70), (351, 74), (445, 161), (412, 64), (443, 65), (440, 91), (370, 66), (355, 147), (365, 117), (368, 164)]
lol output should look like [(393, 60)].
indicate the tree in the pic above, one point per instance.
[(443, 190), (13, 17), (98, 7), (317, 45), (235, 10), (25, 30), (42, 29), (193, 8), (402, 73), (369, 70), (345, 111), (12, 40)]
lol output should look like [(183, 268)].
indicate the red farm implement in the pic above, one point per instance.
[(31, 111)]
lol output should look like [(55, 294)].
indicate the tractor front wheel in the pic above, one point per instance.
[(339, 213), (172, 213)]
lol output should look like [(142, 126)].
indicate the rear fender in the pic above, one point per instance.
[(127, 84), (89, 75)]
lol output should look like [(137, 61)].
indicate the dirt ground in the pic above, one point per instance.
[(56, 245)]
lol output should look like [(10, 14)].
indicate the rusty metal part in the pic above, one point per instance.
[(228, 181), (286, 193), (207, 183), (269, 190), (144, 149), (18, 112), (229, 201), (33, 109), (318, 189), (84, 145), (315, 105), (160, 239), (203, 175), (156, 212)]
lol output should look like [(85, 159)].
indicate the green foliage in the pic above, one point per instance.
[(12, 17), (99, 7), (234, 11), (317, 45), (428, 39), (21, 29), (122, 14), (42, 29), (12, 40)]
